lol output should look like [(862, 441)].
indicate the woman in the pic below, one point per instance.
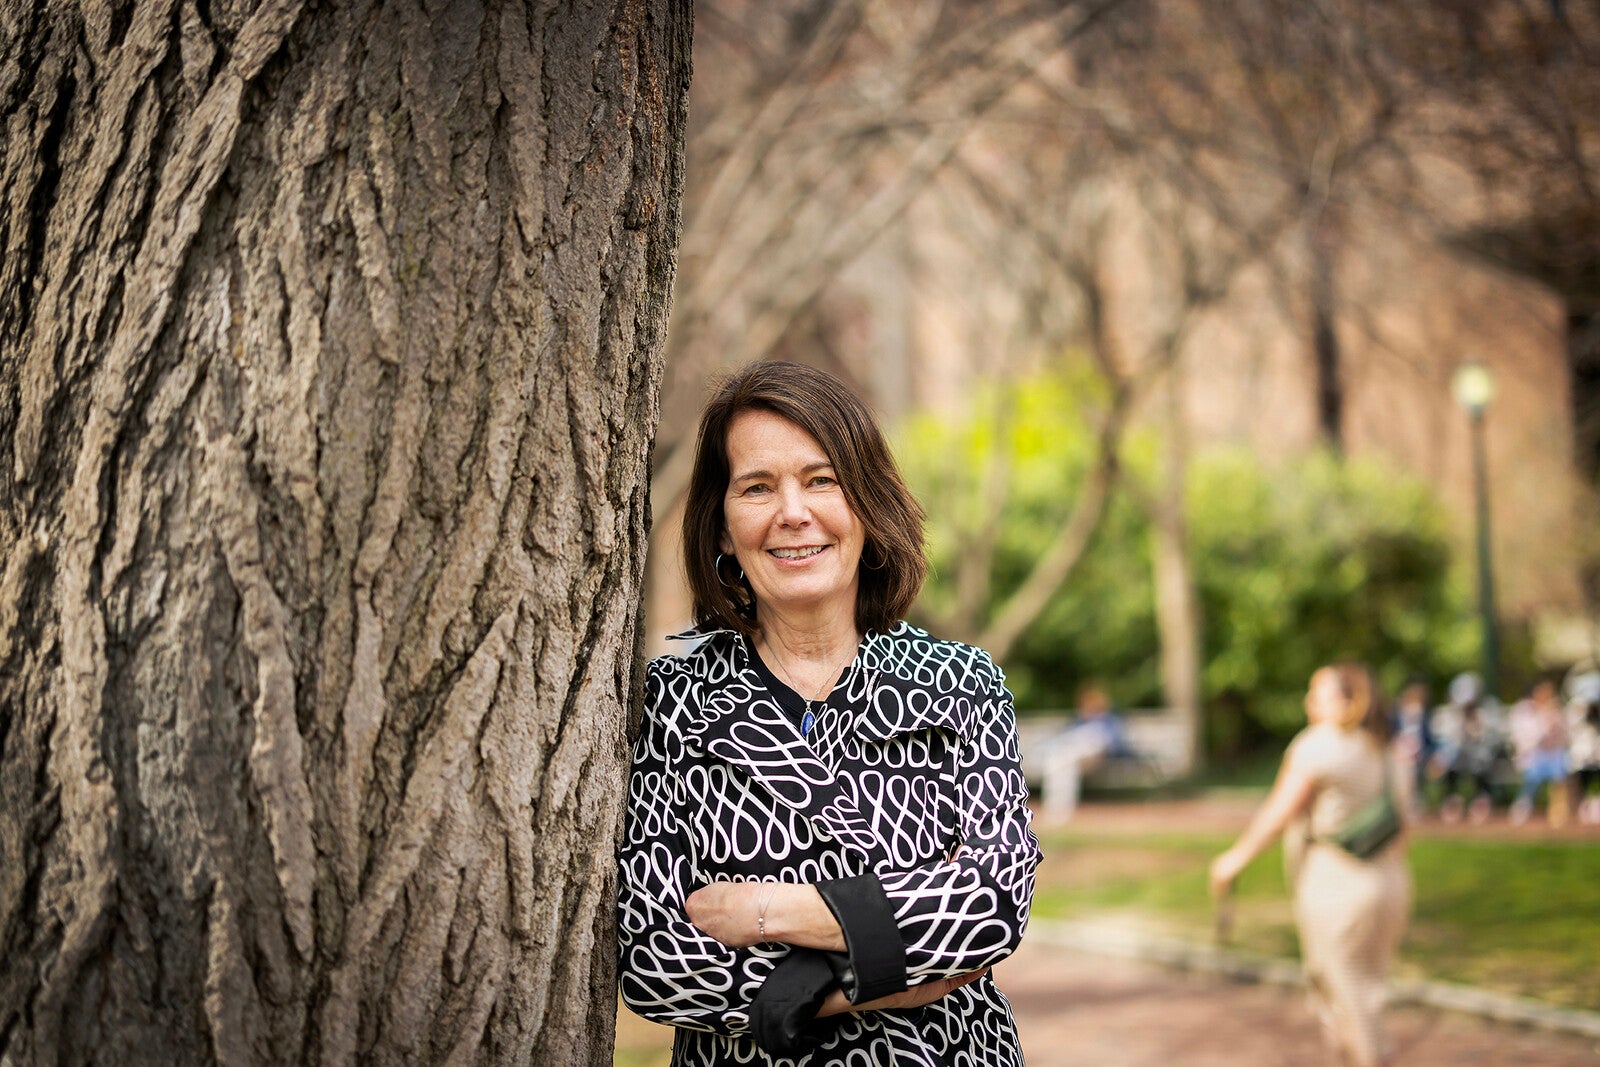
[(827, 841), (1350, 912)]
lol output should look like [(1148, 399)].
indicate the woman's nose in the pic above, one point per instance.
[(792, 509)]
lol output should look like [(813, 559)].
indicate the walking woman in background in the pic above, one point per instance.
[(1345, 855), (827, 840)]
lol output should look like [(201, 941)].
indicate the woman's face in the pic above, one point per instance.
[(1325, 699), (786, 518)]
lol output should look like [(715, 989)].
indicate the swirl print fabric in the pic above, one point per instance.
[(911, 773)]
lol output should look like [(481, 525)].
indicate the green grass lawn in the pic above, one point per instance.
[(1516, 917)]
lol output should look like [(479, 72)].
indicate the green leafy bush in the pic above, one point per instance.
[(1318, 560), (1296, 564), (1100, 624)]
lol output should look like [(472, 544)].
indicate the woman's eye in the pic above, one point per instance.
[(823, 479)]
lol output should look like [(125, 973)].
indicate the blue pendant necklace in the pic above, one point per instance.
[(808, 718)]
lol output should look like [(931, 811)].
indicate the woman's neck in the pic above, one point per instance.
[(821, 641)]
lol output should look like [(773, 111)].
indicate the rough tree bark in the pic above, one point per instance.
[(330, 345)]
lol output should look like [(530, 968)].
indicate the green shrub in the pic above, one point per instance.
[(1100, 625), (1296, 565), (1318, 560)]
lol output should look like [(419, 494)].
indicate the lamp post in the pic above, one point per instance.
[(1474, 389)]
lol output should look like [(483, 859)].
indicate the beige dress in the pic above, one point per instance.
[(1351, 913)]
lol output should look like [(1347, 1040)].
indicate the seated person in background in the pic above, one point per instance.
[(1539, 733), (1583, 754), (1471, 740), (1413, 740), (1097, 734)]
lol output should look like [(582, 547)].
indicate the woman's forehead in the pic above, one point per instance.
[(757, 438)]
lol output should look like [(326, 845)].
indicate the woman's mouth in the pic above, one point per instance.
[(797, 553)]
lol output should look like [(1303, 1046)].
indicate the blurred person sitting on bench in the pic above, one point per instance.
[(1583, 753), (1539, 734), (1096, 735), (1413, 738), (1471, 743)]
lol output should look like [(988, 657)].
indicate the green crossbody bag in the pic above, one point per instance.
[(1373, 826)]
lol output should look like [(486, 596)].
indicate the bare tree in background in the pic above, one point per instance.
[(1268, 138), (843, 114), (1210, 116), (1514, 101), (330, 340), (1069, 216), (1257, 135), (817, 123)]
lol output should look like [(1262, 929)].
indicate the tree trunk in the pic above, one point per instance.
[(1325, 352), (1583, 352), (1177, 599), (330, 343)]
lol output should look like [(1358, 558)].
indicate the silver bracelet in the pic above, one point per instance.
[(761, 917)]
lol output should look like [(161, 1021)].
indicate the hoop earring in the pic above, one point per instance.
[(717, 566), (882, 563)]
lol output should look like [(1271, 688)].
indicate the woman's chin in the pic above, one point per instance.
[(808, 592)]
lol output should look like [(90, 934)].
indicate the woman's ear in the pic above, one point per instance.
[(724, 545)]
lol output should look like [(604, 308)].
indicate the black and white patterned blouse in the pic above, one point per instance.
[(904, 803)]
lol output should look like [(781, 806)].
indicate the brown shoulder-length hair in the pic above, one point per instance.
[(892, 566), (1364, 703)]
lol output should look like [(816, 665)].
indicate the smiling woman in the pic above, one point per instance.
[(789, 525), (786, 417), (828, 841)]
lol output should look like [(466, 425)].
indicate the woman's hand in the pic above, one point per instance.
[(1291, 796), (1225, 870), (915, 997)]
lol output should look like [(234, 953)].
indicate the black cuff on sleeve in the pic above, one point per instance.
[(783, 1015), (877, 951)]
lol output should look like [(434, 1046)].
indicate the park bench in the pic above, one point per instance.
[(1159, 739)]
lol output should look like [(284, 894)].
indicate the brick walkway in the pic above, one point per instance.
[(1079, 1010), (1074, 1009)]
